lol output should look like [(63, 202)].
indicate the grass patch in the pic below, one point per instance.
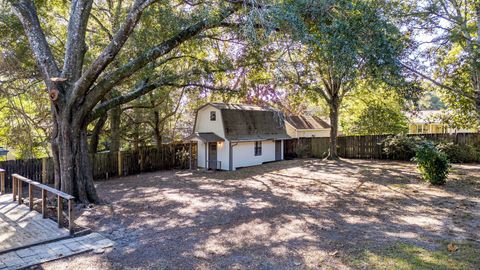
[(405, 256)]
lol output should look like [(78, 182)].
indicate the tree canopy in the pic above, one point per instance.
[(85, 76)]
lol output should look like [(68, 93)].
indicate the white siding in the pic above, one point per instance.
[(283, 154), (222, 155), (244, 154), (201, 154), (204, 124)]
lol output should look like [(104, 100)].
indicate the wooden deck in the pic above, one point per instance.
[(20, 227)]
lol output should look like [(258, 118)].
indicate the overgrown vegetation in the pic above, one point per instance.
[(432, 163), (459, 153)]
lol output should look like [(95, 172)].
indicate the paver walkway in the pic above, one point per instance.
[(22, 258), (21, 227)]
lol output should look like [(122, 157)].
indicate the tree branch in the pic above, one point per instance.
[(111, 51), (27, 14), (76, 48), (441, 85), (139, 91), (114, 77)]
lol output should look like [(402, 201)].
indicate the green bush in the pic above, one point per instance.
[(400, 147), (459, 153), (432, 163), (302, 150)]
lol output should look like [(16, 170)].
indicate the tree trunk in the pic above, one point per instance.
[(70, 148), (96, 134), (334, 106)]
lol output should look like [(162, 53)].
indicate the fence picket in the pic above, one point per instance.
[(105, 165), (367, 147)]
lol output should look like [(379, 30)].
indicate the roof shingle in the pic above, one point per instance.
[(307, 122)]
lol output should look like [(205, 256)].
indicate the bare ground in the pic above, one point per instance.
[(300, 214)]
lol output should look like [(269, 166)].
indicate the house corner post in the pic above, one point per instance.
[(230, 156), (206, 156)]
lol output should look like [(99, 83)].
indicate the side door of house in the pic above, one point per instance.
[(278, 150), (212, 156)]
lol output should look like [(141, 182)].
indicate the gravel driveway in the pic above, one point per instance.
[(296, 214)]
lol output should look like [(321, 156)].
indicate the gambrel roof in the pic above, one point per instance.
[(243, 122)]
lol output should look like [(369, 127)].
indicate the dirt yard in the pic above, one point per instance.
[(300, 214)]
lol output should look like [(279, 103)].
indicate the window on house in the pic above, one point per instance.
[(258, 148), (422, 129), (213, 116)]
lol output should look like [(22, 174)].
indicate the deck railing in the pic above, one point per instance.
[(2, 181), (17, 189)]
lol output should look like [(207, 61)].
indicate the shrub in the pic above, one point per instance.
[(432, 163), (302, 150), (459, 153), (400, 147)]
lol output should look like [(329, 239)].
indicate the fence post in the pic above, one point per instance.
[(44, 171), (120, 163)]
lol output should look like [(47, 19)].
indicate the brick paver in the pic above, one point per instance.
[(48, 252)]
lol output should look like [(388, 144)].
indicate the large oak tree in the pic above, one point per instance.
[(80, 83)]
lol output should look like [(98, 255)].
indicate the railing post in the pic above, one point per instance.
[(30, 196), (70, 216), (14, 188), (20, 191), (2, 181), (44, 203), (59, 210)]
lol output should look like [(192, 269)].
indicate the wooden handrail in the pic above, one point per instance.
[(17, 189), (2, 181), (43, 186)]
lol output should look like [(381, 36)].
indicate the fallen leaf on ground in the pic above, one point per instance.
[(452, 247)]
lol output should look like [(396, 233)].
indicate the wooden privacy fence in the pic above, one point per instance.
[(368, 147), (106, 164)]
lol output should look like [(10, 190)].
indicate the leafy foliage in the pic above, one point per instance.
[(373, 110), (460, 153), (432, 163), (401, 147), (447, 54)]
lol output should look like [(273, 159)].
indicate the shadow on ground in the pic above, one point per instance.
[(284, 215)]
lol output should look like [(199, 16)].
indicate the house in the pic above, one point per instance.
[(231, 136), (431, 121), (306, 126)]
